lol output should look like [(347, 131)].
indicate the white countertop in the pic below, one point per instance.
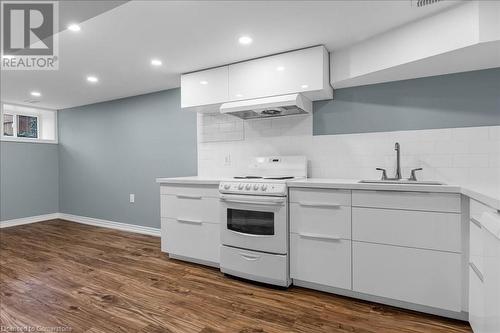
[(486, 197), (191, 180), (354, 184)]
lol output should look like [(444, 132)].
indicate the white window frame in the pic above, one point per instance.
[(15, 138)]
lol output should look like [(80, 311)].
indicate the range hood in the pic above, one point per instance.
[(276, 106)]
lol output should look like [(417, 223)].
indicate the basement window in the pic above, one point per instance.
[(28, 124)]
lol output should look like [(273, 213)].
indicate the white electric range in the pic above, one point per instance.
[(254, 220)]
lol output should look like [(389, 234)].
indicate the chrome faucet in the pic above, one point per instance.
[(397, 176), (397, 148)]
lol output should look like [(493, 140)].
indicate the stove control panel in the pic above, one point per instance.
[(253, 188)]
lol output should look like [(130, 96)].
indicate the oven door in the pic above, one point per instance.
[(254, 222)]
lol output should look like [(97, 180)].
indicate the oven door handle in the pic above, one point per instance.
[(269, 201)]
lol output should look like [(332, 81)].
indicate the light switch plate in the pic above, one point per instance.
[(132, 198)]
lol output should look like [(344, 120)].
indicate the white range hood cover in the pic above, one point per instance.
[(274, 106)]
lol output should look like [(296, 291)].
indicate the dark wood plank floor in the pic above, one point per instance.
[(95, 280)]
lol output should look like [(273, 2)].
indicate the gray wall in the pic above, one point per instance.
[(29, 182), (109, 150), (454, 100)]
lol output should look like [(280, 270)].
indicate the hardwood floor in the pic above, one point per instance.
[(95, 280)]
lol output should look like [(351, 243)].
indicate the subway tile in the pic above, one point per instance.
[(468, 133), (470, 160)]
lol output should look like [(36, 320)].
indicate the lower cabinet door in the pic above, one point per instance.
[(193, 239), (319, 260), (476, 302), (426, 277)]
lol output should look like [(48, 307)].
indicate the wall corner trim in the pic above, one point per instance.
[(28, 220), (111, 224)]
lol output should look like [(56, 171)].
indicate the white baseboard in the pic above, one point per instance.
[(83, 220), (28, 220), (111, 224)]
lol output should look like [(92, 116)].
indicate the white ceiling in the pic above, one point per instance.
[(118, 44)]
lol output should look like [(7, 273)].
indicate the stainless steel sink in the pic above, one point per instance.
[(402, 181)]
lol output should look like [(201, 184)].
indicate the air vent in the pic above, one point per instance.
[(32, 101), (422, 3)]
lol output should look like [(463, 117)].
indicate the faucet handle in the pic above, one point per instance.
[(413, 175), (384, 173)]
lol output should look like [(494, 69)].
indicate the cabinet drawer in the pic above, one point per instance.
[(322, 261), (430, 278), (190, 208), (320, 197), (194, 240), (477, 209), (476, 246), (436, 202), (190, 191), (427, 230), (332, 221), (257, 266)]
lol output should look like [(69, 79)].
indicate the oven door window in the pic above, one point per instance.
[(250, 222)]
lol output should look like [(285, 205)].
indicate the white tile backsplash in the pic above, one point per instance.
[(465, 156)]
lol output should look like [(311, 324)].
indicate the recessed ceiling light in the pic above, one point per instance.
[(245, 40), (36, 93), (280, 68), (304, 86), (92, 78), (239, 95), (74, 27), (204, 82), (156, 62)]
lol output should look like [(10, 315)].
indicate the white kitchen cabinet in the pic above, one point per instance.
[(435, 202), (320, 239), (484, 269), (425, 277), (190, 222), (332, 221), (426, 230), (192, 239), (317, 196), (407, 246), (303, 71), (204, 91), (320, 259)]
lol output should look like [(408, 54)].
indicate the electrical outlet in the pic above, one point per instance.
[(132, 198), (227, 160)]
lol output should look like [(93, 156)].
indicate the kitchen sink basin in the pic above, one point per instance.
[(402, 181)]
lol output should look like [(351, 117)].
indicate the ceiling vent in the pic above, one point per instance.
[(32, 101), (422, 3)]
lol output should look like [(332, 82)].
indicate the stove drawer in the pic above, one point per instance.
[(255, 266), (333, 221)]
